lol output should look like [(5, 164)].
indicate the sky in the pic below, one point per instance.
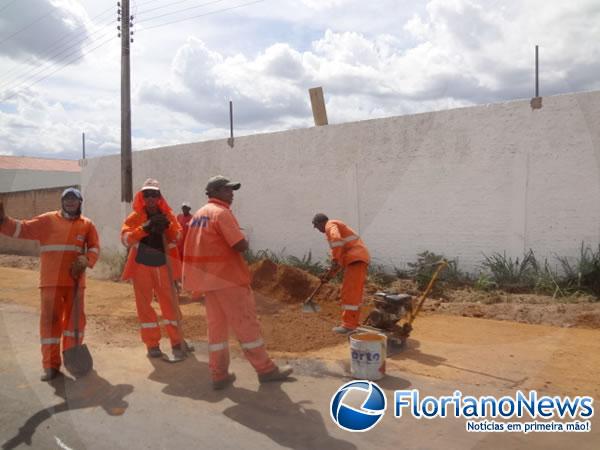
[(61, 64)]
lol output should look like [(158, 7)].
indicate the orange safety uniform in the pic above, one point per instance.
[(61, 241), (184, 222), (152, 280), (350, 252), (212, 266)]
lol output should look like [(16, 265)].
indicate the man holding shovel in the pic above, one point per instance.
[(68, 245), (151, 233), (213, 264), (348, 253)]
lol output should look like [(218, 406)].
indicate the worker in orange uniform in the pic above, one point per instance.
[(348, 253), (213, 264), (152, 267), (184, 221), (68, 245)]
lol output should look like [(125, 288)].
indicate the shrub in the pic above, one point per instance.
[(422, 270), (512, 275), (584, 274)]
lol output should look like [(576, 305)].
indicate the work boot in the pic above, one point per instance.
[(277, 374), (342, 330), (154, 352), (222, 384), (178, 352), (50, 374)]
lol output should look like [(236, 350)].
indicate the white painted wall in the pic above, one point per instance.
[(461, 182)]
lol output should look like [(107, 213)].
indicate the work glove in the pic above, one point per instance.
[(332, 272), (159, 223), (78, 266)]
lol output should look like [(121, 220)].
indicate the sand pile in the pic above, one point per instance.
[(288, 284)]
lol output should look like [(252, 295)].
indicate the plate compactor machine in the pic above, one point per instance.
[(393, 314)]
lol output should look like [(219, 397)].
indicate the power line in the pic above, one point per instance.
[(74, 46), (50, 55), (201, 15), (7, 5), (62, 66), (162, 6), (47, 53), (28, 25), (179, 11)]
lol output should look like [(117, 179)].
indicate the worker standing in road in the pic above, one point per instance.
[(69, 244), (184, 221), (348, 253), (150, 225), (213, 264)]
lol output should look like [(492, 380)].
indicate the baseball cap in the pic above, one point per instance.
[(74, 191), (151, 185), (186, 205), (220, 181)]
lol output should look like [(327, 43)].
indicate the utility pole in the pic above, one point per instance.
[(83, 145), (126, 163)]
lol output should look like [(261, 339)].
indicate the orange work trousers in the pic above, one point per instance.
[(234, 307), (56, 322), (352, 293), (147, 282)]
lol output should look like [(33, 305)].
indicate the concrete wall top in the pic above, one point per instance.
[(460, 182)]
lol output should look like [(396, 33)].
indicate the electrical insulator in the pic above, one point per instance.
[(131, 17), (118, 27), (118, 11), (131, 40), (118, 3), (118, 19), (119, 35), (131, 33)]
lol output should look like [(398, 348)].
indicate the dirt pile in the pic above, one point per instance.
[(288, 284)]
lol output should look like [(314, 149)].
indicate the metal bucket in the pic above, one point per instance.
[(367, 356)]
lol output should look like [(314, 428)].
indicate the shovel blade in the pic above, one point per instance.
[(78, 360), (171, 358), (310, 307)]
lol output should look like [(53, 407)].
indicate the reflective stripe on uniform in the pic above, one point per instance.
[(50, 341), (254, 344), (170, 322), (343, 241), (124, 239), (60, 248), (72, 333), (17, 229), (149, 325), (217, 347), (351, 307), (93, 250), (172, 245)]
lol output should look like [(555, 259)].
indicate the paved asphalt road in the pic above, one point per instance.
[(132, 402)]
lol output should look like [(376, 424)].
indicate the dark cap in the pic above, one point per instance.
[(74, 191), (220, 181), (320, 218)]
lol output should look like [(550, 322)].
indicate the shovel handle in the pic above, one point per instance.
[(441, 265)]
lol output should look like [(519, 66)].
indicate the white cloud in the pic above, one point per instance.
[(373, 59)]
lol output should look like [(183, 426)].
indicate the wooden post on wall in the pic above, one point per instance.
[(317, 102)]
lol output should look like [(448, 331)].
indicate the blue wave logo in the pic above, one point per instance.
[(360, 419)]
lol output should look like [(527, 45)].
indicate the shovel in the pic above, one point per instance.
[(309, 306), (78, 359), (185, 347)]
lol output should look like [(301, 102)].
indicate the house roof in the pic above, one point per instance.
[(41, 164)]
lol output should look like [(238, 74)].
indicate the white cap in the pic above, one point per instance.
[(186, 204), (150, 185)]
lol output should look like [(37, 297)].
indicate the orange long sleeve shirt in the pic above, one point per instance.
[(61, 241), (346, 246)]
